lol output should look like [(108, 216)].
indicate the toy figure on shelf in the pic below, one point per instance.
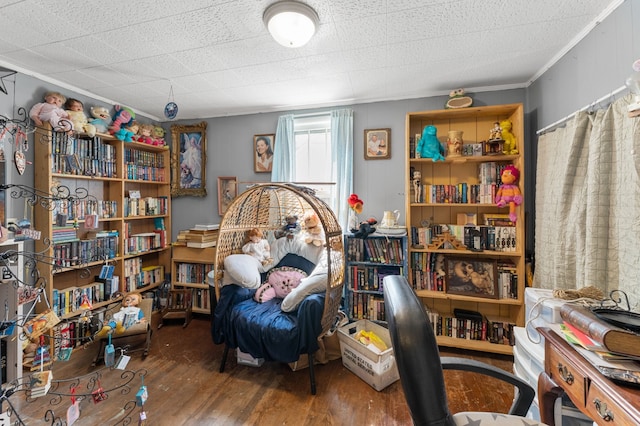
[(509, 192), (429, 146), (158, 136), (101, 119), (496, 132), (78, 118), (128, 315), (416, 180), (258, 246), (144, 134), (51, 110), (509, 147), (123, 117)]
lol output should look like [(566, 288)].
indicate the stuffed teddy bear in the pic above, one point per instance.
[(509, 192), (158, 136), (257, 246), (101, 119), (290, 228), (51, 110), (75, 110), (366, 228), (128, 315), (509, 147), (429, 146), (280, 282), (313, 233)]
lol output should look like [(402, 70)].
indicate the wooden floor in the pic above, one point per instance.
[(185, 388)]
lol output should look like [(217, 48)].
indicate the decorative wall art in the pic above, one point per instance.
[(472, 277), (263, 153), (377, 144), (227, 192), (188, 160)]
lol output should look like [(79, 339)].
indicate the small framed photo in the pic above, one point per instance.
[(377, 144), (227, 192), (189, 160), (471, 277), (263, 153)]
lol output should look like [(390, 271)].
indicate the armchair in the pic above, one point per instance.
[(420, 365)]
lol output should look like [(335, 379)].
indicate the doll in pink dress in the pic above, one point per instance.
[(51, 110)]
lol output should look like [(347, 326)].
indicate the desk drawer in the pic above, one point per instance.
[(600, 407), (567, 375)]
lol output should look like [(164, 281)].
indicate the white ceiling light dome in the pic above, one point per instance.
[(291, 23)]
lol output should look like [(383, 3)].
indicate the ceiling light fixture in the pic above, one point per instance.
[(291, 23)]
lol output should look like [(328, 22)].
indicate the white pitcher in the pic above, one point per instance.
[(390, 219)]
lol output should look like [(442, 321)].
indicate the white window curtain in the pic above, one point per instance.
[(587, 228), (341, 151)]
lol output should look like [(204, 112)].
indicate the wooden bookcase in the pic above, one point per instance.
[(189, 269), (368, 261), (128, 186), (476, 124)]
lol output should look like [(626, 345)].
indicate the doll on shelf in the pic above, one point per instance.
[(51, 110), (128, 315), (509, 192)]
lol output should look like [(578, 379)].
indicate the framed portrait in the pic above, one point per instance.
[(472, 277), (227, 192), (377, 144), (188, 160), (263, 153)]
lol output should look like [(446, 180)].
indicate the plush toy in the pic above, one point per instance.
[(458, 99), (366, 228), (429, 146), (509, 192), (144, 134), (101, 119), (128, 315), (158, 136), (257, 246), (313, 233), (290, 228), (123, 117), (509, 147), (280, 282), (51, 110), (75, 110)]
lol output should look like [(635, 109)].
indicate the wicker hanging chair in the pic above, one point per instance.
[(265, 206)]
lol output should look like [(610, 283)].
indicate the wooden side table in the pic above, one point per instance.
[(598, 397)]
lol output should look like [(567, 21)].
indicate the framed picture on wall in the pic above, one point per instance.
[(227, 192), (188, 160), (471, 277), (377, 144), (263, 153)]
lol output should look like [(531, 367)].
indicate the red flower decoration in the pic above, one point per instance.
[(355, 203)]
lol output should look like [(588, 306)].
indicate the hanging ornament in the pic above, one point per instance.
[(73, 412), (171, 108), (19, 157)]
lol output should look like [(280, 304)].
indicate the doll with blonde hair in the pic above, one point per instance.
[(51, 110)]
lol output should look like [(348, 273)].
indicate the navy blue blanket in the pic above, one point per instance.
[(262, 329)]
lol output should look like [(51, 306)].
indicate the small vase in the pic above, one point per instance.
[(353, 221), (454, 143)]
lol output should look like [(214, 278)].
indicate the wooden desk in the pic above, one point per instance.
[(565, 370)]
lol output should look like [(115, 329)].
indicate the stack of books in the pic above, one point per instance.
[(41, 382), (201, 236), (612, 350)]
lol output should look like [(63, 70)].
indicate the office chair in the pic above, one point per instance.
[(420, 366)]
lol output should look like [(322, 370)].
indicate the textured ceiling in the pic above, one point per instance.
[(218, 59)]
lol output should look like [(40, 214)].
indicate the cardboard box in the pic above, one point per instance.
[(378, 369), (244, 358)]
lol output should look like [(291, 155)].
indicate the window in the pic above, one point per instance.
[(313, 164)]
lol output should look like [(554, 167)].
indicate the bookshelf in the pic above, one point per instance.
[(189, 269), (455, 192), (368, 262), (121, 217), (10, 346)]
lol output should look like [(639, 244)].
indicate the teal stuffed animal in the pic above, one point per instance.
[(429, 146)]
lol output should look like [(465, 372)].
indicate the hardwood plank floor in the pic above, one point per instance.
[(185, 388)]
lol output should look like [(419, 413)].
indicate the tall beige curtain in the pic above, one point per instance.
[(587, 229)]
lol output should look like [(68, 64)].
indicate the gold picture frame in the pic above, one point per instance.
[(377, 144), (188, 159), (263, 153), (227, 192)]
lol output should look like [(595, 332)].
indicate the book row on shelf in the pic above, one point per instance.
[(143, 158), (147, 206), (370, 278), (367, 306), (93, 148), (379, 250), (461, 193), (138, 276), (193, 273), (481, 237), (78, 209), (499, 331), (70, 299), (77, 252), (146, 173), (201, 299), (72, 164)]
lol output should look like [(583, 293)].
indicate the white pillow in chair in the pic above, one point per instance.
[(315, 283), (243, 270)]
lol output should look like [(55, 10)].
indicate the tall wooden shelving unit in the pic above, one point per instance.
[(135, 167), (476, 123), (189, 269)]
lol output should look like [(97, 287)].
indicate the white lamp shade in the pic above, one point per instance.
[(291, 24)]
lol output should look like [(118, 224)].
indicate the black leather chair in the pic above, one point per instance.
[(420, 365)]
